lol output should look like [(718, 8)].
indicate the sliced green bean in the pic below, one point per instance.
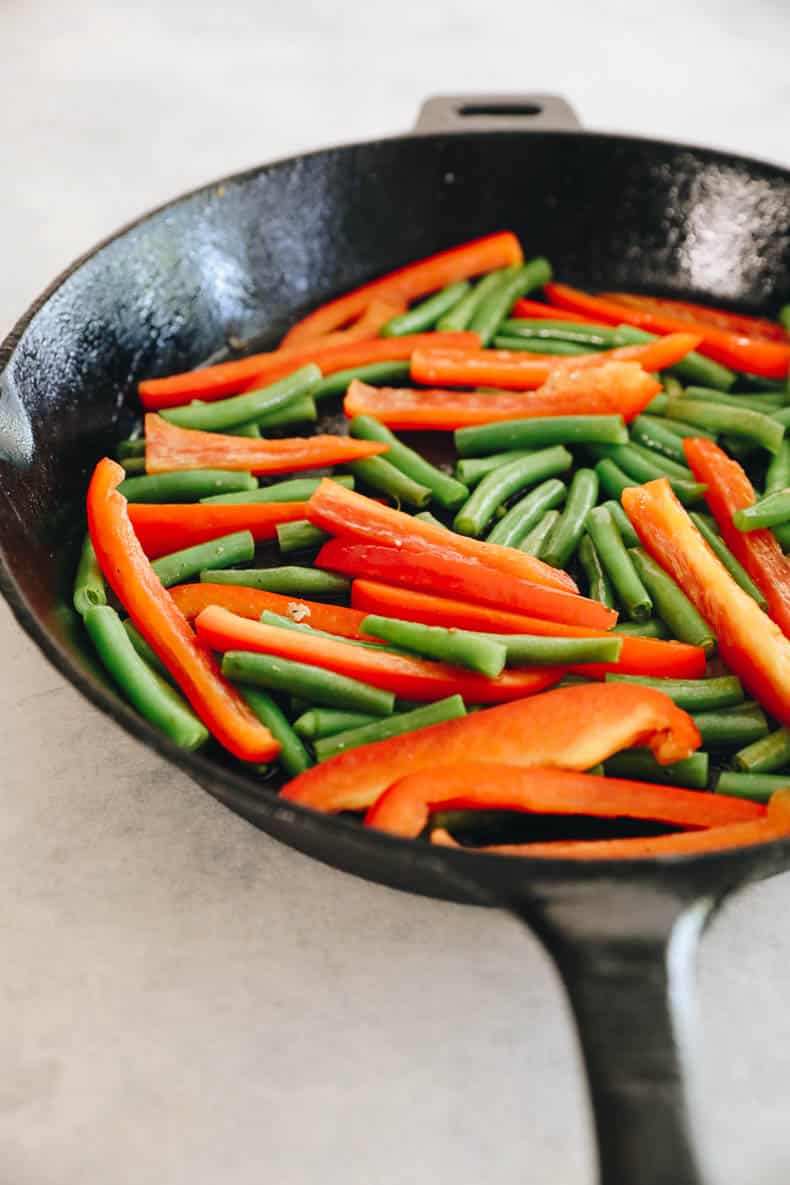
[(458, 318), (472, 470), (287, 581), (143, 687), (672, 386), (739, 422), (534, 542), (653, 628), (145, 651), (297, 489), (444, 489), (293, 756), (777, 475), (298, 411), (599, 586), (379, 474), (316, 723), (375, 373), (89, 587), (133, 465), (672, 604), (311, 682), (299, 536), (426, 517), (661, 436), (612, 480), (250, 431), (132, 447), (731, 728), (661, 462), (640, 765), (782, 417), (516, 282), (693, 695), (783, 536), (461, 648), (450, 708), (783, 316), (768, 402), (765, 755), (539, 650), (538, 345), (190, 485), (241, 409), (526, 513), (770, 511), (564, 539), (179, 566), (617, 563), (720, 549), (539, 432), (632, 461), (694, 368), (759, 787), (658, 404), (502, 483), (593, 337), (624, 525), (423, 316), (678, 428)]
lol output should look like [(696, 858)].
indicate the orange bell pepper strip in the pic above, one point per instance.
[(374, 318), (620, 388), (192, 599), (410, 283), (408, 678), (351, 515), (568, 728), (767, 358), (164, 527), (752, 645), (163, 625), (453, 367), (534, 310), (775, 824), (246, 374), (758, 328), (639, 656), (405, 807), (169, 448), (729, 489)]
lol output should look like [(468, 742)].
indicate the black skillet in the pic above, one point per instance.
[(259, 249)]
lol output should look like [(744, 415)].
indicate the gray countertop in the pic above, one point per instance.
[(182, 999)]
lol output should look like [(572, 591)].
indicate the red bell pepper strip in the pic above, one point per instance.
[(410, 283), (229, 378), (769, 359), (408, 678), (163, 527), (164, 626), (351, 515), (433, 570), (568, 728), (620, 388), (639, 656), (729, 489), (534, 310), (374, 318), (192, 599), (405, 807), (453, 367), (752, 645), (758, 328), (168, 448)]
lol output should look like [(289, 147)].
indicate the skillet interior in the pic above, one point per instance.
[(243, 257)]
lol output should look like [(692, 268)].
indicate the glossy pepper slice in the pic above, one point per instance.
[(568, 728), (192, 599), (164, 527), (729, 490), (404, 808), (752, 645), (758, 328), (164, 626)]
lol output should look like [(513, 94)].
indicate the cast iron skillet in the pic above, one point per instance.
[(261, 248)]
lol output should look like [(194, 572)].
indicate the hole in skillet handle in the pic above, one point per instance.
[(502, 112), (518, 110)]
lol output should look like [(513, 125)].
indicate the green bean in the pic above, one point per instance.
[(423, 316), (672, 386), (539, 432), (783, 316), (459, 317), (631, 460), (379, 474), (445, 490), (760, 787), (564, 539), (694, 368), (720, 549), (678, 428), (145, 651), (767, 403), (765, 755), (311, 682), (251, 431), (771, 511), (593, 337), (287, 581), (693, 695), (461, 648), (240, 409), (662, 436), (730, 728), (534, 542), (293, 756), (599, 586), (297, 489), (133, 465), (516, 282), (505, 481), (641, 765), (526, 513), (782, 416), (660, 462), (777, 475), (740, 422), (153, 698), (782, 535), (299, 536), (672, 604), (302, 627), (658, 404), (538, 345), (426, 517), (298, 411), (624, 525), (89, 588), (179, 566), (375, 373), (617, 563), (450, 708), (190, 485), (653, 628), (539, 650), (612, 480), (316, 723), (132, 447)]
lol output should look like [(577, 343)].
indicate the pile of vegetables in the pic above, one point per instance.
[(568, 637)]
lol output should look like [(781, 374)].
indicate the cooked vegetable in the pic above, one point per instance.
[(722, 551), (192, 599), (694, 368), (758, 787), (241, 409), (312, 682), (451, 708), (617, 564), (695, 695), (537, 539), (471, 470), (461, 648), (765, 755), (423, 316), (378, 474), (518, 521), (374, 373), (162, 527), (505, 481), (770, 511), (540, 432), (564, 539), (297, 489), (444, 489), (599, 585), (288, 581), (514, 283), (299, 536), (192, 486), (672, 604), (731, 728), (641, 765), (316, 723), (89, 589), (735, 421), (179, 566), (293, 756)]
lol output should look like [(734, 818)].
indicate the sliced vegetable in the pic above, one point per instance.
[(672, 604), (191, 486), (759, 787), (378, 474), (505, 481), (444, 489), (293, 756), (192, 599), (288, 581), (89, 589), (313, 682), (540, 432), (765, 755), (316, 723), (617, 564), (297, 489), (564, 539), (537, 539), (299, 536), (722, 551), (241, 409), (460, 648), (770, 511), (694, 368), (599, 586), (458, 318), (451, 708), (374, 372), (179, 566), (641, 765), (424, 316), (162, 527), (695, 695), (732, 728), (494, 308), (735, 421), (513, 527)]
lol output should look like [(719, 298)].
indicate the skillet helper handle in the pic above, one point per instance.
[(493, 113), (626, 955)]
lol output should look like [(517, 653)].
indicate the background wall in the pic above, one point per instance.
[(181, 999)]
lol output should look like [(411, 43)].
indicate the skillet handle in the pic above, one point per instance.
[(625, 952), (492, 113)]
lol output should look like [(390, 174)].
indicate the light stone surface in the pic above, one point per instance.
[(183, 1000)]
